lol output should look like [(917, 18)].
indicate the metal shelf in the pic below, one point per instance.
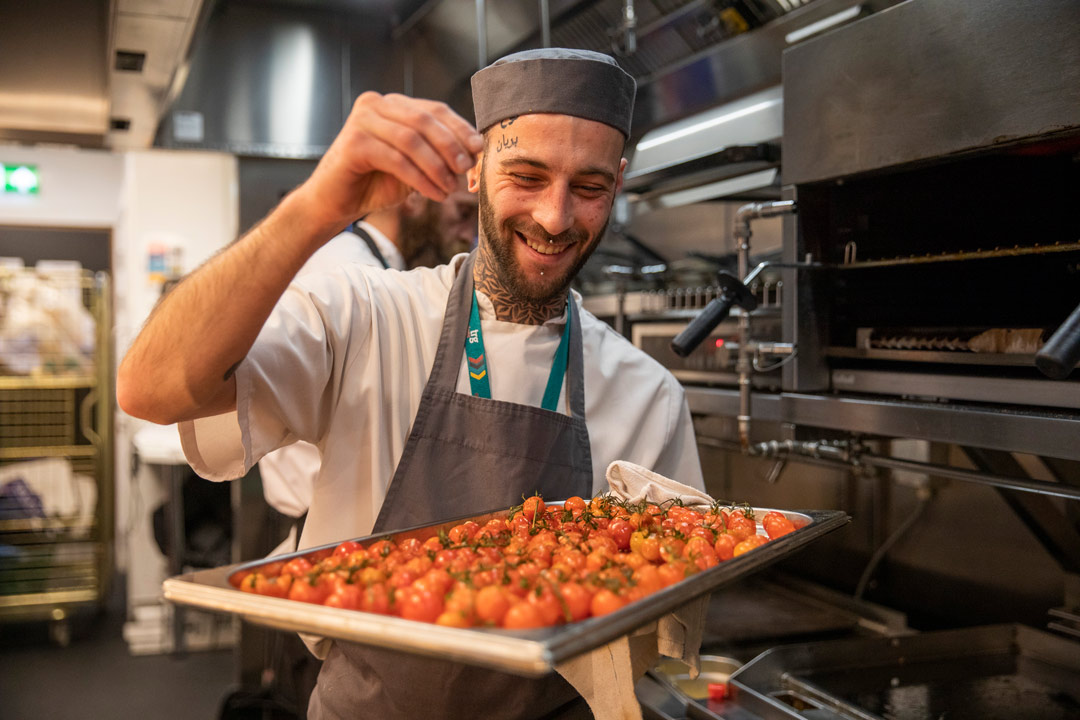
[(943, 357), (1048, 433), (60, 554), (47, 382)]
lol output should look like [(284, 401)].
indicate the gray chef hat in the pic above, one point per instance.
[(581, 83)]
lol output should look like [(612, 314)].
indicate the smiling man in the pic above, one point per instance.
[(436, 393)]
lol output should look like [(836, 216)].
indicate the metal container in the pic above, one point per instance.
[(526, 652)]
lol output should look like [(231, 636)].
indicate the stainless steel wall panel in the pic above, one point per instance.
[(927, 79)]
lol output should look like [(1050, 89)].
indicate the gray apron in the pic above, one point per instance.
[(465, 455)]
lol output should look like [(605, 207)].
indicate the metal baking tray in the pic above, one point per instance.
[(524, 652), (994, 672)]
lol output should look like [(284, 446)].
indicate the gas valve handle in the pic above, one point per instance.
[(732, 292), (1061, 352), (700, 327)]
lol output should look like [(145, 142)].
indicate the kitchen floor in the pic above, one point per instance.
[(96, 676)]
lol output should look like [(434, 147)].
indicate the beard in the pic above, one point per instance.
[(421, 238), (500, 239)]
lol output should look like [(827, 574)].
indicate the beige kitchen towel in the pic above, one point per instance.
[(605, 676), (634, 483)]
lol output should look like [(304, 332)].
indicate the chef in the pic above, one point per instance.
[(434, 393)]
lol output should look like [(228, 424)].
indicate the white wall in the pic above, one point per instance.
[(79, 188), (178, 199)]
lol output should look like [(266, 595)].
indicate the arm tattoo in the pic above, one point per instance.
[(508, 307)]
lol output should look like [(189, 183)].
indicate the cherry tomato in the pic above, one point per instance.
[(547, 604), (433, 545), (347, 548), (647, 579), (705, 532), (776, 524), (522, 616), (740, 526), (650, 548), (346, 596), (671, 573), (304, 590), (620, 531), (491, 605), (463, 533), (375, 598), (724, 547), (297, 567), (436, 580), (605, 601), (380, 548), (575, 505), (533, 507), (671, 548), (461, 600), (419, 604), (699, 552), (576, 600), (750, 543)]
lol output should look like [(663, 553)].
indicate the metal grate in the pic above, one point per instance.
[(668, 31), (34, 418)]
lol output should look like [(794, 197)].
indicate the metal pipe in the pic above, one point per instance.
[(545, 24), (743, 364), (629, 26), (408, 69), (854, 456), (1013, 483), (481, 34)]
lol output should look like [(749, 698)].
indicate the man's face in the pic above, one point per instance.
[(546, 185)]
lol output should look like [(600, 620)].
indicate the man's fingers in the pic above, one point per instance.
[(388, 159), (440, 128), (462, 128), (411, 144)]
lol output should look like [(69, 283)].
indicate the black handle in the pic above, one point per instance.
[(700, 327), (1061, 352)]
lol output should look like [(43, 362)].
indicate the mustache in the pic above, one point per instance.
[(534, 230)]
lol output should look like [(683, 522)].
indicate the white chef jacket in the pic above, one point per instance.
[(345, 356), (288, 473)]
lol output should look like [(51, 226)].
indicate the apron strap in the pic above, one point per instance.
[(444, 371), (370, 242)]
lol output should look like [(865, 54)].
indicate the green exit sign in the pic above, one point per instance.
[(20, 179)]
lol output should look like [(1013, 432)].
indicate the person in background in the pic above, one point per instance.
[(416, 233), (440, 392)]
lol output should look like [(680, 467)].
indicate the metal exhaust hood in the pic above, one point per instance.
[(276, 79)]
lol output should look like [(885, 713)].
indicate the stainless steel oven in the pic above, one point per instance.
[(932, 156)]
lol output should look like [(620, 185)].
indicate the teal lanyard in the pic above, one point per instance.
[(477, 359)]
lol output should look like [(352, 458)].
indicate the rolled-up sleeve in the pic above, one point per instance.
[(288, 384)]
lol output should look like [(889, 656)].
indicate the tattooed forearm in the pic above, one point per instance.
[(508, 307)]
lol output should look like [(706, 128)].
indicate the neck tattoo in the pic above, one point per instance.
[(509, 308)]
